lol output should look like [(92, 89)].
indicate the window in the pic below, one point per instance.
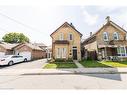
[(70, 37), (105, 36), (64, 53), (61, 36), (126, 36), (115, 36), (58, 52), (121, 51), (61, 52)]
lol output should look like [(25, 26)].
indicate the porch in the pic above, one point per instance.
[(112, 52)]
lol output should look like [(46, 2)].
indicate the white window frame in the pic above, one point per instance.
[(63, 52), (58, 52), (120, 51), (69, 36), (105, 34), (115, 34), (126, 36), (61, 36)]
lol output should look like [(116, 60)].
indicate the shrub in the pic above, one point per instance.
[(60, 60), (69, 60)]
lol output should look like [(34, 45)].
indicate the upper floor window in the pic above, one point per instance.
[(105, 36), (115, 36), (61, 37), (70, 37)]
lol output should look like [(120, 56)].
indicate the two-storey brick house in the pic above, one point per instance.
[(66, 42), (110, 41)]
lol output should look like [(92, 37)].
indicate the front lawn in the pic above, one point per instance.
[(60, 65), (93, 63)]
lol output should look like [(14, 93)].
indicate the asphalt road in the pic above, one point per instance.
[(85, 81), (37, 64)]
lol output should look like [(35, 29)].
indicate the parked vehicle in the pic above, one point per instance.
[(12, 59)]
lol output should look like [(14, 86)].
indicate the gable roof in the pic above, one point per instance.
[(7, 46), (33, 47), (66, 24), (108, 23), (40, 44)]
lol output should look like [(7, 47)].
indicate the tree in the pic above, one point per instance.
[(15, 38)]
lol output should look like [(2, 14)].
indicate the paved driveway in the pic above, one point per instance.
[(37, 64)]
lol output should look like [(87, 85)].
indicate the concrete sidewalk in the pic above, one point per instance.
[(62, 71)]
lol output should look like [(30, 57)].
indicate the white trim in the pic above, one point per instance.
[(126, 36), (120, 53), (107, 37), (61, 36), (69, 36), (61, 52), (115, 34)]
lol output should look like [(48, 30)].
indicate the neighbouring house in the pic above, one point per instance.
[(43, 47), (29, 50), (6, 49), (66, 42), (109, 42), (49, 52)]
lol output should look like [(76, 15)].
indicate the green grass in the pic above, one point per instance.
[(60, 65), (92, 63)]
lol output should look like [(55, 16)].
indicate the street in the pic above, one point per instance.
[(84, 81), (26, 76)]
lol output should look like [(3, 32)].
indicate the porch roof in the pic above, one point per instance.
[(111, 46), (61, 42)]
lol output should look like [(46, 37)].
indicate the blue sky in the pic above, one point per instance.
[(41, 21)]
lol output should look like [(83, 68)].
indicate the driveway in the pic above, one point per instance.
[(37, 64)]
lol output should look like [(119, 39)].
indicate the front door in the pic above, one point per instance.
[(75, 54)]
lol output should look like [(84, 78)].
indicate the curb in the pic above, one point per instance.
[(74, 73)]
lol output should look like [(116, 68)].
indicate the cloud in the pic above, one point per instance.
[(90, 19)]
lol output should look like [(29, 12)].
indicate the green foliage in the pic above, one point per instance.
[(69, 60), (60, 65), (15, 38)]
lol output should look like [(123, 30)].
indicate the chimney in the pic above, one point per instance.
[(108, 18), (90, 33), (72, 25)]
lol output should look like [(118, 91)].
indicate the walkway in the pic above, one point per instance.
[(78, 64)]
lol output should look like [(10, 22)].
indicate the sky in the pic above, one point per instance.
[(38, 22)]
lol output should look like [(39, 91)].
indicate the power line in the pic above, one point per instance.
[(27, 26)]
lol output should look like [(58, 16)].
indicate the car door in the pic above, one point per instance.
[(14, 59), (21, 59)]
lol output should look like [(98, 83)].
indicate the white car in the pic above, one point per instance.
[(12, 59)]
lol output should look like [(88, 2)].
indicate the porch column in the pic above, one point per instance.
[(105, 52)]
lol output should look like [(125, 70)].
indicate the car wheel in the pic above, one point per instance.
[(10, 63), (25, 60)]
